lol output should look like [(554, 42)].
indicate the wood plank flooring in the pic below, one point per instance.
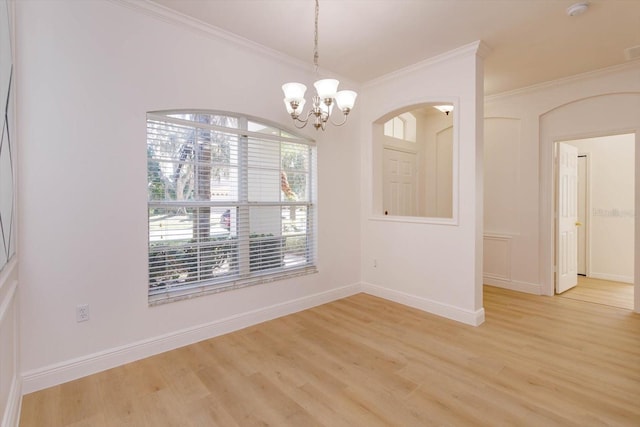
[(364, 361), (615, 294)]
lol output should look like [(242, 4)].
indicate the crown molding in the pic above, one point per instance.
[(483, 49), (478, 47), (163, 13), (564, 80)]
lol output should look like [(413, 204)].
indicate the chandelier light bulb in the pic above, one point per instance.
[(298, 110), (327, 88), (346, 99), (294, 91)]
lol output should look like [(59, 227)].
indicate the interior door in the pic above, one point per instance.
[(400, 183), (567, 218)]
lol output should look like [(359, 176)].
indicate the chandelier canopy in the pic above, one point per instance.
[(322, 103)]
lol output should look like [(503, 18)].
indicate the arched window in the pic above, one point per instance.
[(402, 126), (231, 203), (394, 128)]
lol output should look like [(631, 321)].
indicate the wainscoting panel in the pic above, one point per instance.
[(497, 256), (497, 265)]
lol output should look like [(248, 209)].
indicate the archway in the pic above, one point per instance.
[(588, 117)]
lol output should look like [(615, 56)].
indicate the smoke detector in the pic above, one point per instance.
[(577, 9)]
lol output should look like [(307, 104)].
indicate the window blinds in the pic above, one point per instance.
[(231, 203)]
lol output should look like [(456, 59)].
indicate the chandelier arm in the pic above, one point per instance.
[(319, 124), (344, 120), (296, 121)]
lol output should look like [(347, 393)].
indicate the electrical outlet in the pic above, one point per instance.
[(82, 313), (375, 263)]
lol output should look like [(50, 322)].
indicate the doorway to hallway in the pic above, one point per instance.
[(605, 215)]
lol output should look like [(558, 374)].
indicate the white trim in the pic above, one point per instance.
[(7, 270), (8, 299), (587, 213), (59, 373), (611, 277), (196, 290), (171, 16), (506, 239), (513, 285), (401, 149), (14, 404), (415, 219), (478, 47), (563, 81), (473, 318), (11, 414), (455, 168), (166, 14)]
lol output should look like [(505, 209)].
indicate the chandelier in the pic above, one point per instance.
[(322, 103)]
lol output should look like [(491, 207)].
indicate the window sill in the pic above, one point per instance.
[(200, 289)]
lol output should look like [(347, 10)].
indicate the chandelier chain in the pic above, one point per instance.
[(315, 39)]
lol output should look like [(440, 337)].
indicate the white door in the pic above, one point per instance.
[(400, 183), (566, 218)]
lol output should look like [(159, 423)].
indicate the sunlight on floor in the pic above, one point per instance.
[(614, 294)]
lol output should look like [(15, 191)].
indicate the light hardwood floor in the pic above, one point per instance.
[(364, 361), (615, 294)]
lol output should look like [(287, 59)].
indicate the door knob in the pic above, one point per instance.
[(578, 224)]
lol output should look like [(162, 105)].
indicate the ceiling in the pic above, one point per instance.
[(531, 41)]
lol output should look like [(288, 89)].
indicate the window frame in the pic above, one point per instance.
[(240, 249)]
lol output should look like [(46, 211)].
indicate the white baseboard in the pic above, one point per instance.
[(76, 368), (11, 416), (514, 285), (611, 277), (473, 318)]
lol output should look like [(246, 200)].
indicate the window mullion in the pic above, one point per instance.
[(243, 197), (196, 233)]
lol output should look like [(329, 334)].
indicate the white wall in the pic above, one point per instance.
[(519, 245), (87, 73), (611, 169), (423, 263)]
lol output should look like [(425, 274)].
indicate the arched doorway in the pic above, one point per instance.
[(589, 117)]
